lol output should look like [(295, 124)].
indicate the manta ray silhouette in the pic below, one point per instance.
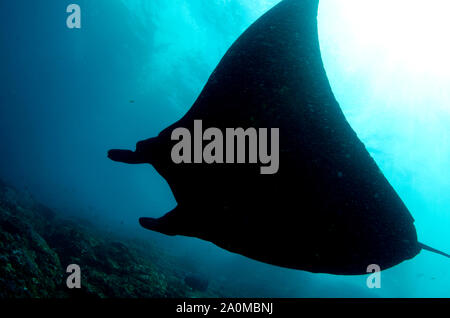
[(329, 208)]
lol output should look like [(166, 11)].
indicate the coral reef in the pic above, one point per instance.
[(36, 246)]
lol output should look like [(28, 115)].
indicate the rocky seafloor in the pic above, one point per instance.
[(37, 245)]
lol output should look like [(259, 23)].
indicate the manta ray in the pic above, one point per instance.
[(329, 208)]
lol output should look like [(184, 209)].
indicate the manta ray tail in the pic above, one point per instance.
[(433, 250)]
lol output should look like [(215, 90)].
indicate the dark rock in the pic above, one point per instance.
[(197, 282)]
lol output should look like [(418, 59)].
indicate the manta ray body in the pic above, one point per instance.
[(329, 208)]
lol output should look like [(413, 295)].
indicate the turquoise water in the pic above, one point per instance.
[(388, 66), (135, 66)]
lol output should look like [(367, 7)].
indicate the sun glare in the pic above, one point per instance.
[(401, 45)]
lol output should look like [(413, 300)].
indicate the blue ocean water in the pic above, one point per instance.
[(135, 66)]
